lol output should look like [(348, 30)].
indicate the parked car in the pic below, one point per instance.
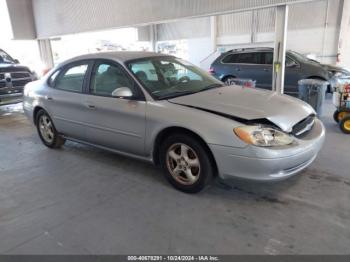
[(13, 78), (164, 110), (256, 64)]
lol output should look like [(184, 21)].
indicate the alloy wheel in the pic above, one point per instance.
[(46, 129), (183, 164)]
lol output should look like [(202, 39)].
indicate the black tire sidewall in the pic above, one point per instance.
[(335, 116), (56, 137), (205, 162)]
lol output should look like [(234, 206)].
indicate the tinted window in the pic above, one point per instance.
[(268, 58), (249, 58), (72, 78), (107, 78), (233, 58)]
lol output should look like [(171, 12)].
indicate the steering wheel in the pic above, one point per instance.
[(184, 79)]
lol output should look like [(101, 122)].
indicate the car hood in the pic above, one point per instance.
[(250, 104), (4, 67), (336, 69)]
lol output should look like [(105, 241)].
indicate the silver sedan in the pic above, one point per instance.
[(164, 110)]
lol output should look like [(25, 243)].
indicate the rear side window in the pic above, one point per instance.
[(249, 58), (232, 58), (72, 78)]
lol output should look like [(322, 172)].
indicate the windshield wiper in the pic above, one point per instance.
[(210, 87), (176, 94), (182, 93)]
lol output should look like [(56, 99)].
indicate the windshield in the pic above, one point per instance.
[(5, 58), (168, 77), (302, 57)]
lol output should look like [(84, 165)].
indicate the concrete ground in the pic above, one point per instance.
[(82, 200)]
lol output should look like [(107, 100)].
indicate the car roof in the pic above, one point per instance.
[(120, 56), (252, 49)]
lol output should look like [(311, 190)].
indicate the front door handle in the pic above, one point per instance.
[(48, 98)]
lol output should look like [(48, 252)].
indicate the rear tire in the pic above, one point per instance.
[(47, 131), (345, 125), (228, 80), (186, 163)]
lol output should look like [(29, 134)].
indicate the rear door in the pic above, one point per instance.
[(116, 123), (229, 66), (64, 98), (252, 67), (266, 70), (292, 76)]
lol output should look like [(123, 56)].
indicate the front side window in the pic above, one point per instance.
[(268, 60), (108, 77), (166, 77), (72, 78)]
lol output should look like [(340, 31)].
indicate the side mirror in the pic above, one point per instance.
[(122, 92), (16, 61), (291, 64)]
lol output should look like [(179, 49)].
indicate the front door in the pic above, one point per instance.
[(113, 122)]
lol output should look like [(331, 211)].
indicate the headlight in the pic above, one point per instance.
[(263, 136)]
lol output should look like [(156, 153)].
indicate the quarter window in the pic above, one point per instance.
[(233, 58), (107, 78), (72, 78)]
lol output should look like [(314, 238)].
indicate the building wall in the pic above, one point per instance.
[(313, 28), (54, 17)]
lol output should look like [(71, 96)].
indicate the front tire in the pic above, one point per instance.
[(186, 163), (47, 131)]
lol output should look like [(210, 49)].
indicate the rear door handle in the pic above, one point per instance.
[(48, 98)]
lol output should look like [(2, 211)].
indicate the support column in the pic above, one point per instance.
[(46, 52), (213, 32), (279, 56), (153, 37), (343, 58)]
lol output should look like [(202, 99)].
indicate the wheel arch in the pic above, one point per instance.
[(317, 77), (223, 79), (35, 112), (176, 130)]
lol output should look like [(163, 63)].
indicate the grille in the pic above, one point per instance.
[(304, 126), (2, 84), (20, 75), (2, 76), (20, 83)]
